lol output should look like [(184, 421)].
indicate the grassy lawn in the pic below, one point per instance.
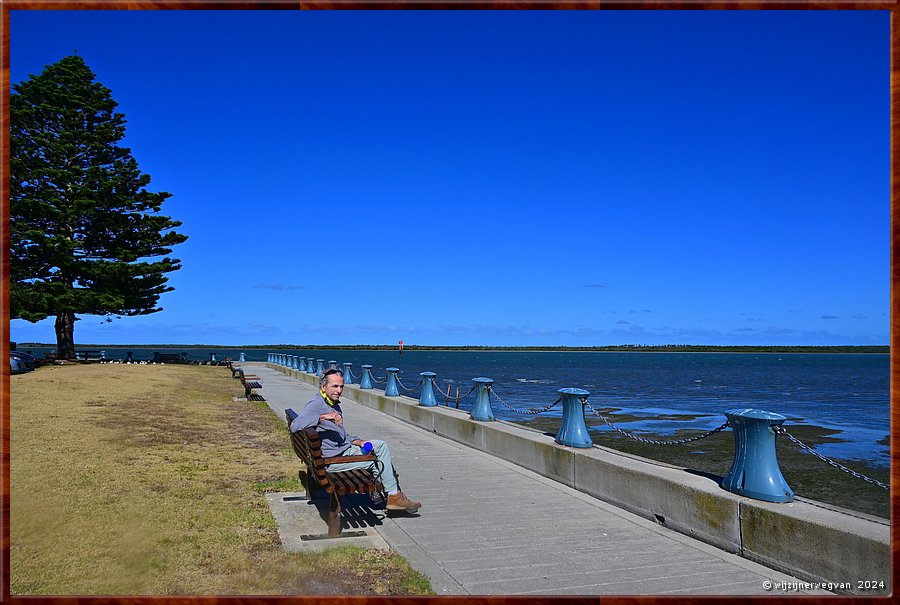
[(130, 479)]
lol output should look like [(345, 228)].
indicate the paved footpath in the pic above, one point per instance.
[(489, 527)]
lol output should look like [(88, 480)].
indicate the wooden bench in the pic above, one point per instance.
[(250, 382), (234, 367), (308, 447)]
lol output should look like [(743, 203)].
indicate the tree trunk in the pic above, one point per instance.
[(65, 336)]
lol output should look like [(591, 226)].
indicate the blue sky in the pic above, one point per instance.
[(500, 178)]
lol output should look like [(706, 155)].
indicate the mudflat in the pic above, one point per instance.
[(808, 476)]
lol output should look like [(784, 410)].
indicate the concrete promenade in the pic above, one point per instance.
[(490, 527)]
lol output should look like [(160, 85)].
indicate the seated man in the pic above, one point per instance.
[(323, 411)]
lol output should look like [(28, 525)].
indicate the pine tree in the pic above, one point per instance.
[(81, 219)]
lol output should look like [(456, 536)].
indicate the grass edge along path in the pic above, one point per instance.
[(131, 479)]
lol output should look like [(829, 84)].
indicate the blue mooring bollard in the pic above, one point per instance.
[(482, 411), (391, 388), (426, 399), (348, 377), (366, 381), (573, 431), (242, 358), (320, 368), (754, 472), (332, 365), (310, 365)]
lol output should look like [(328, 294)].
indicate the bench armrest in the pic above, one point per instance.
[(339, 459)]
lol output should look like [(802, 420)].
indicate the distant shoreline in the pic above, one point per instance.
[(534, 349)]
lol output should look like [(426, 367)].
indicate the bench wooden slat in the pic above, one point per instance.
[(342, 483), (355, 481), (348, 483), (340, 459), (359, 477)]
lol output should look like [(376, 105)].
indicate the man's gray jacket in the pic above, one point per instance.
[(334, 438)]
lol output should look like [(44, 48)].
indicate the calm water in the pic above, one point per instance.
[(846, 392)]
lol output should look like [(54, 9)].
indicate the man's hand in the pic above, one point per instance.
[(333, 416)]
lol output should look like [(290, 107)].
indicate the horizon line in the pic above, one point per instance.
[(499, 347)]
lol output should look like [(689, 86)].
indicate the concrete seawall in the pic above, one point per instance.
[(816, 542)]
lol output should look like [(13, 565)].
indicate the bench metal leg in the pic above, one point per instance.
[(308, 484), (334, 516), (334, 524)]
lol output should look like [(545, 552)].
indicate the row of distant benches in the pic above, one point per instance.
[(157, 357), (100, 355), (250, 381)]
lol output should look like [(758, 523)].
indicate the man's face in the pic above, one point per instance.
[(335, 386)]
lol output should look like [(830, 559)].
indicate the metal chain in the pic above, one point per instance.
[(780, 430), (443, 390), (522, 411), (352, 376), (456, 399), (655, 441), (381, 379), (407, 389)]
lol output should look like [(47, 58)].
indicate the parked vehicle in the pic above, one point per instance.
[(20, 362)]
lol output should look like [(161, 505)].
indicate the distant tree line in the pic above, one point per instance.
[(619, 348)]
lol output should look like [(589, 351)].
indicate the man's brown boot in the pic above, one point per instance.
[(399, 501)]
